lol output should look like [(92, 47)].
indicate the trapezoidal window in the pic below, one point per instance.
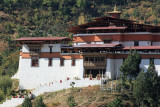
[(62, 62), (107, 41), (50, 62), (136, 43), (35, 62), (151, 60), (50, 49), (73, 62)]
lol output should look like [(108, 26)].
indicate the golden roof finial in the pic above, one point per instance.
[(115, 8)]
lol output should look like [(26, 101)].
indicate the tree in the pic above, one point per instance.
[(39, 103), (138, 89), (27, 102), (130, 67), (153, 86), (146, 88)]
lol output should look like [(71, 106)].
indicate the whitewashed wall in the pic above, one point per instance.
[(25, 48), (55, 48), (156, 43), (112, 68), (31, 77), (128, 43), (144, 43)]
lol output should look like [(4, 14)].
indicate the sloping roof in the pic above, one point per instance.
[(42, 38), (142, 47), (110, 27), (108, 45)]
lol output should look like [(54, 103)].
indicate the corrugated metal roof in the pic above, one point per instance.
[(108, 45), (42, 38), (142, 47)]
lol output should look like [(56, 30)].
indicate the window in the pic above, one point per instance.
[(88, 42), (34, 51), (50, 62), (62, 62), (35, 62), (136, 43), (107, 41), (102, 59), (151, 60), (151, 43), (73, 62), (50, 49)]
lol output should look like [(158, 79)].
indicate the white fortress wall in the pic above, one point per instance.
[(112, 68), (157, 65), (144, 43), (156, 43), (128, 43), (25, 48), (55, 48), (144, 64), (31, 77)]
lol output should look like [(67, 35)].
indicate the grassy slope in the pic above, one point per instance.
[(87, 97)]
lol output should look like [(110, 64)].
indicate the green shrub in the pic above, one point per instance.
[(5, 84), (116, 103), (39, 102), (27, 102), (2, 96), (71, 101)]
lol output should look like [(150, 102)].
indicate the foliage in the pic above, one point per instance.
[(116, 103), (9, 64), (39, 102), (139, 87), (130, 67), (2, 96), (71, 101), (27, 102), (5, 84), (146, 88)]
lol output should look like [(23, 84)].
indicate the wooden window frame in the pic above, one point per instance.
[(73, 62), (49, 61), (136, 43), (107, 41), (151, 60), (50, 49), (35, 62), (61, 61)]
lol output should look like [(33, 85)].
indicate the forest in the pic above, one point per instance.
[(42, 18)]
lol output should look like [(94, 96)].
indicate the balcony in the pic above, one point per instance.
[(94, 64), (34, 54)]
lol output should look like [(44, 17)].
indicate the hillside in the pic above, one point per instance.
[(84, 97)]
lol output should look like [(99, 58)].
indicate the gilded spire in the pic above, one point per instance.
[(115, 8)]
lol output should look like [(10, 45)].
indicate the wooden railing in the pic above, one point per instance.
[(34, 53), (89, 63)]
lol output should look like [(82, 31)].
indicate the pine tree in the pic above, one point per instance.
[(146, 88), (27, 102), (139, 89), (153, 86), (39, 103), (130, 68)]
